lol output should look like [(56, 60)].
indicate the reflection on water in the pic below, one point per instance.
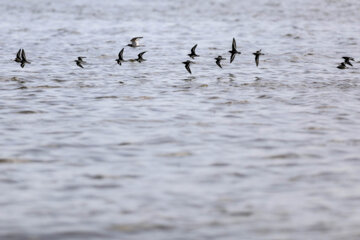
[(148, 151)]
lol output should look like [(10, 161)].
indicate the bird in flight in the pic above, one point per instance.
[(342, 66), (135, 42), (120, 59), (140, 57), (193, 54), (257, 56), (233, 51), (187, 65), (348, 59), (79, 61), (21, 58), (218, 60)]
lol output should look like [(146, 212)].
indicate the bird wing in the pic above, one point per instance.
[(234, 44), (23, 56), (121, 54), (232, 57), (141, 54), (257, 60), (135, 39), (18, 55), (187, 66), (193, 49), (79, 64), (218, 63)]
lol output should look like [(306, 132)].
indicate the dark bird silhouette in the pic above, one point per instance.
[(193, 54), (140, 57), (79, 61), (348, 59), (233, 51), (218, 60), (187, 65), (342, 66), (18, 57), (120, 59), (134, 42), (23, 58), (257, 56)]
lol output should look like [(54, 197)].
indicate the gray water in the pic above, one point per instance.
[(147, 151)]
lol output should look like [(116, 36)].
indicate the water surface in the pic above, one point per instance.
[(147, 151)]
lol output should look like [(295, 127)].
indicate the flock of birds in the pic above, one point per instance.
[(21, 56), (134, 43), (219, 58)]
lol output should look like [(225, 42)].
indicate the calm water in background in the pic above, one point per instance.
[(147, 151)]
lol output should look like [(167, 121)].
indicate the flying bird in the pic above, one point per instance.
[(342, 66), (187, 65), (135, 42), (140, 58), (348, 59), (218, 60), (120, 59), (233, 51), (193, 54), (257, 56), (79, 61)]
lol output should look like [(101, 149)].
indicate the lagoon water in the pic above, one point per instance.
[(147, 151)]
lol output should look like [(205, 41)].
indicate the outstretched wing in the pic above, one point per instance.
[(121, 54), (193, 49), (23, 55), (218, 63), (18, 55), (234, 44), (135, 40), (232, 57), (187, 66), (257, 60), (141, 54)]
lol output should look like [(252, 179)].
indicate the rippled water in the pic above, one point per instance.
[(147, 151)]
